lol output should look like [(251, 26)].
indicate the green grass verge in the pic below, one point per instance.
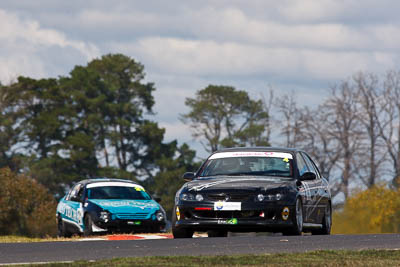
[(374, 258), (23, 239)]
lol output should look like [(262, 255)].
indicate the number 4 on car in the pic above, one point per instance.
[(253, 190)]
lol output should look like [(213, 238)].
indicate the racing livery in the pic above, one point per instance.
[(108, 205), (251, 190)]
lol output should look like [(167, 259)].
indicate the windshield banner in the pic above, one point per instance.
[(251, 154)]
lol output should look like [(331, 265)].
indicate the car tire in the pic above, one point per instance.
[(326, 222), (62, 229), (181, 232), (217, 233), (297, 220), (88, 224)]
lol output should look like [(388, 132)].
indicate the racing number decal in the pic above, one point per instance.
[(72, 213)]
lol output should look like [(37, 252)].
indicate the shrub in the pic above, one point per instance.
[(26, 207), (376, 210)]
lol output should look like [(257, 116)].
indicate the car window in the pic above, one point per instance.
[(245, 163), (117, 192), (80, 193), (301, 165), (74, 193), (311, 165)]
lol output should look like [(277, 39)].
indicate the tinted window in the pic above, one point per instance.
[(265, 166), (74, 193), (301, 165), (117, 192)]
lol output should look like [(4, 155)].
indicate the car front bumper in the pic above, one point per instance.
[(119, 225), (266, 218)]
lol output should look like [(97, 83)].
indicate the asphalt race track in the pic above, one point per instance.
[(94, 250)]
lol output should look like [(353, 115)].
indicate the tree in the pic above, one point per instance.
[(344, 128), (314, 138), (168, 179), (290, 122), (110, 101), (371, 155), (388, 122), (224, 116), (332, 133), (89, 123), (9, 135), (32, 120)]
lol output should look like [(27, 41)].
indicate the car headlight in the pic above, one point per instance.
[(269, 197), (160, 216), (199, 197), (191, 197), (104, 216)]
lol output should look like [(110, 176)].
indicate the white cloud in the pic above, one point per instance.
[(198, 57), (310, 10), (25, 45)]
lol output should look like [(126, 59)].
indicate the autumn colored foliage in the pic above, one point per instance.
[(376, 210), (26, 207)]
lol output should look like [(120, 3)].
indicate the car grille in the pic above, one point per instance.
[(132, 216), (210, 214), (228, 197)]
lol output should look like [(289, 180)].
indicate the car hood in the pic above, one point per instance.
[(234, 182), (126, 206)]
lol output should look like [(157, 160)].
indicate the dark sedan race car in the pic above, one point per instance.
[(260, 189), (108, 205)]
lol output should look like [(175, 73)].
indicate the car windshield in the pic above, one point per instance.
[(117, 192), (255, 164)]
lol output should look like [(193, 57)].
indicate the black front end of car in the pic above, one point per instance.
[(234, 209), (258, 189)]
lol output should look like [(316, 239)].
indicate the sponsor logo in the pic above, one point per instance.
[(130, 203), (220, 205), (178, 214), (282, 155), (232, 221), (285, 213)]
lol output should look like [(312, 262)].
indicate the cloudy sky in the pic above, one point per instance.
[(303, 46)]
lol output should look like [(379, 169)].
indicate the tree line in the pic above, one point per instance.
[(96, 122), (354, 133)]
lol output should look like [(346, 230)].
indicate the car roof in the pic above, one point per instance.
[(104, 179)]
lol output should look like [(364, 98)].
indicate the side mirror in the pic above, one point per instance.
[(188, 176), (75, 199), (158, 199), (326, 176), (308, 176)]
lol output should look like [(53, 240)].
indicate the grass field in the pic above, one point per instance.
[(374, 258), (21, 239)]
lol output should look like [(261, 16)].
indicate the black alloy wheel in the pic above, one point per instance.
[(326, 222)]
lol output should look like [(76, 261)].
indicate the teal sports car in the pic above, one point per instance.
[(106, 205)]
